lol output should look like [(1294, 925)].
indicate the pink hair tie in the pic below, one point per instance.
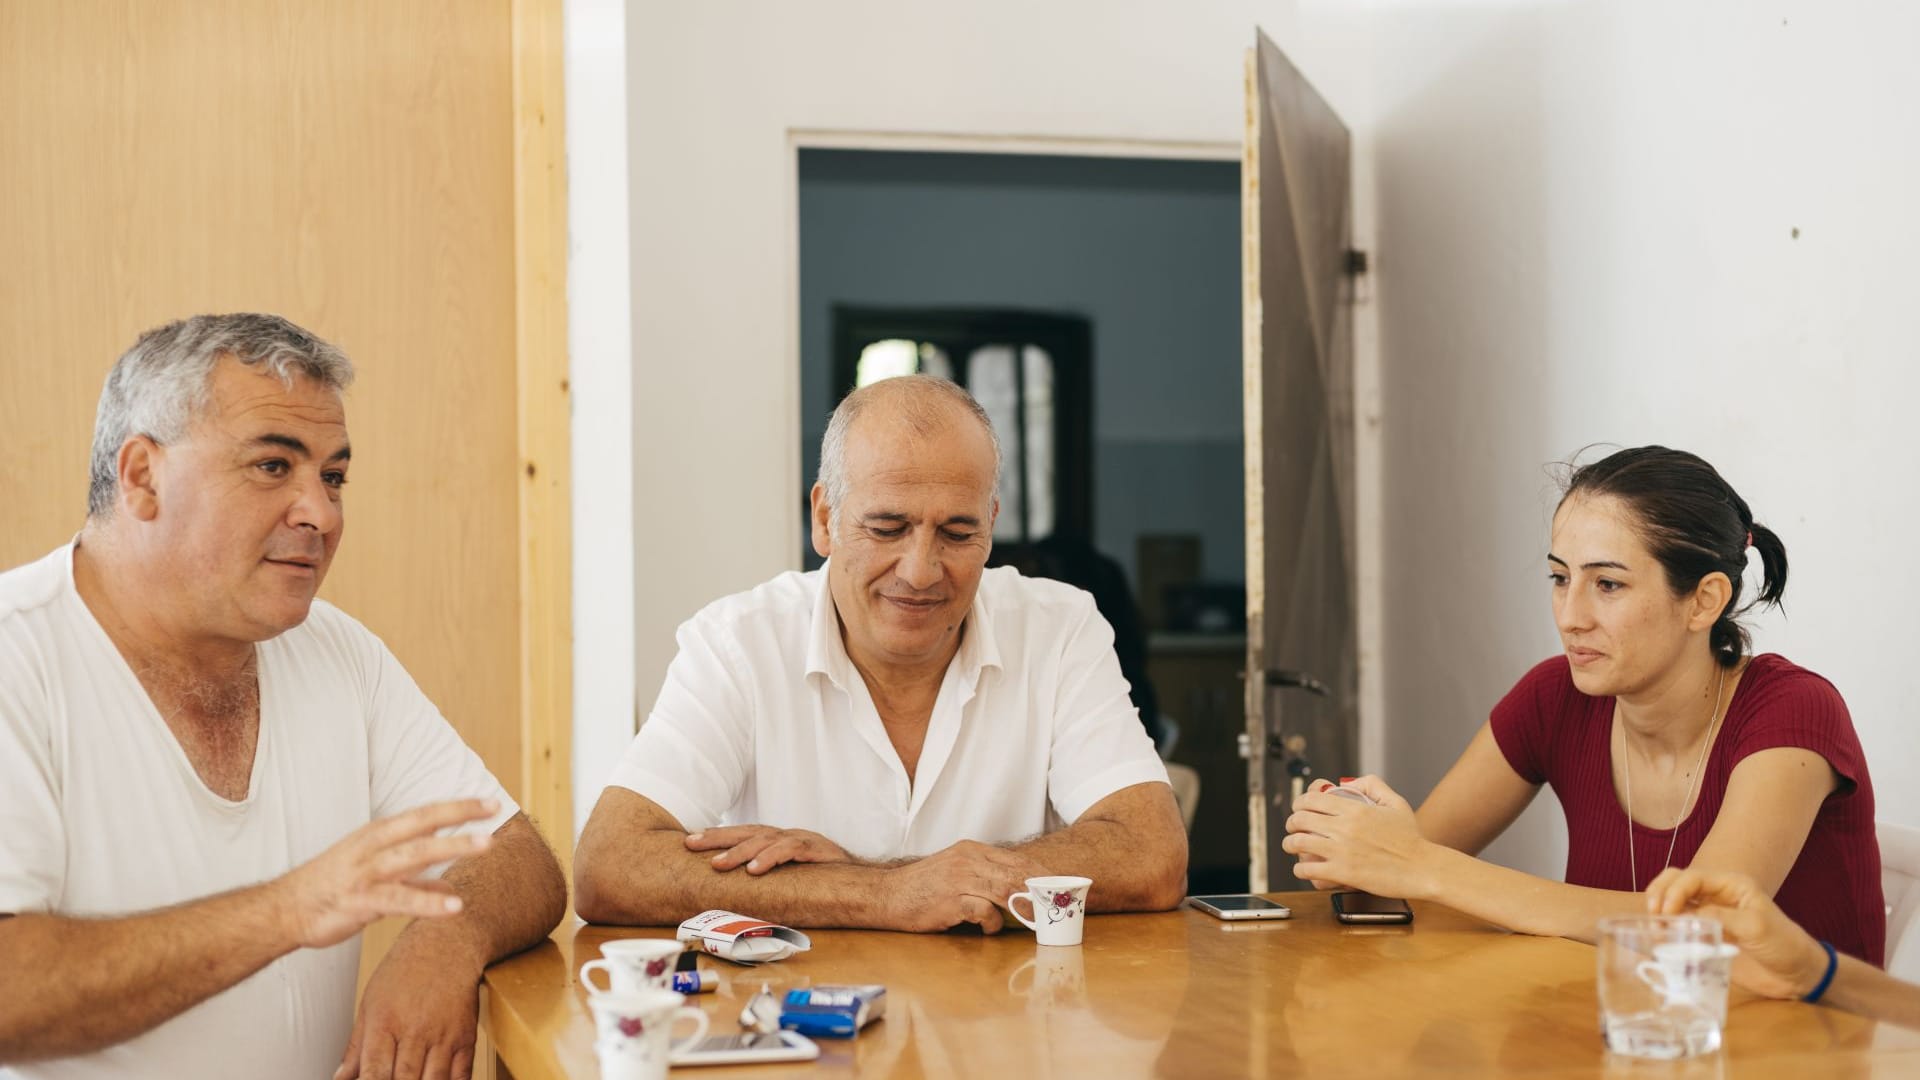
[(1749, 539)]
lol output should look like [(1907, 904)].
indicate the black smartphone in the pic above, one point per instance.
[(1359, 907)]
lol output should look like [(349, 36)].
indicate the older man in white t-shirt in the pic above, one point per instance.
[(898, 739), (210, 782)]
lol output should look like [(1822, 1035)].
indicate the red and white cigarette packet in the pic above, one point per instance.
[(742, 938)]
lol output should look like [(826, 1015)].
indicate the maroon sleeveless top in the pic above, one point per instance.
[(1552, 733)]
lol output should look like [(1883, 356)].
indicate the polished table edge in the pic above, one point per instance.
[(514, 1042)]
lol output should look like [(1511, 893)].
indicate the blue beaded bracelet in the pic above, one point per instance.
[(1833, 965)]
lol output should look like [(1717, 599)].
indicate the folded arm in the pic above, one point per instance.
[(636, 865), (1770, 804), (1132, 843), (633, 867)]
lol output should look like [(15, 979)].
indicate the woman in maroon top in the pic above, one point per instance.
[(1666, 743)]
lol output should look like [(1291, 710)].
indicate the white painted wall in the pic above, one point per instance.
[(599, 333), (717, 93), (1585, 215), (1586, 221)]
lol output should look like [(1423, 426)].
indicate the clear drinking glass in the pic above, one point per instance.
[(1663, 985)]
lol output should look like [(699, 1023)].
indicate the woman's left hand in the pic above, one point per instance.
[(1347, 844)]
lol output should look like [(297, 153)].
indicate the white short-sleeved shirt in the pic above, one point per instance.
[(764, 719), (101, 813)]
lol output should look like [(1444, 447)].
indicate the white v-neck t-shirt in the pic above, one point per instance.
[(764, 719), (101, 813)]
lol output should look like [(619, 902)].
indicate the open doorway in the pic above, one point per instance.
[(1093, 305)]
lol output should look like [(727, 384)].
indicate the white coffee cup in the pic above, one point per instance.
[(633, 964), (1059, 908), (635, 1040)]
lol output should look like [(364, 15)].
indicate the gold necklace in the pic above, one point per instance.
[(1626, 761)]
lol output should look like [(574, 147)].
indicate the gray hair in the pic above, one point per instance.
[(927, 404), (158, 387)]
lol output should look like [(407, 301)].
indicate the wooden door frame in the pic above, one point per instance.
[(808, 138), (545, 618), (799, 139)]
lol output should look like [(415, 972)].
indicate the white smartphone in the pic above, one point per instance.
[(747, 1048), (1240, 906)]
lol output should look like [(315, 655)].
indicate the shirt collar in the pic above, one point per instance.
[(827, 654)]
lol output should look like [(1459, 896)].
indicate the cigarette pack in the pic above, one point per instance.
[(742, 938), (834, 1011)]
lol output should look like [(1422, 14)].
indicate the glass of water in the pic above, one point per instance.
[(1663, 985)]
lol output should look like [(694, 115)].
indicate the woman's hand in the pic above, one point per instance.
[(1777, 959), (1344, 843)]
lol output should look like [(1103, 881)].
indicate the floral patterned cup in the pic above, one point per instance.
[(633, 964), (636, 1032), (1059, 908)]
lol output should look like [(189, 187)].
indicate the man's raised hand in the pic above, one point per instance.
[(374, 872)]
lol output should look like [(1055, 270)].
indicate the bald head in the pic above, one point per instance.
[(914, 407), (904, 512)]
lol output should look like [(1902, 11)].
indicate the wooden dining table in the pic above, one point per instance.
[(1181, 994)]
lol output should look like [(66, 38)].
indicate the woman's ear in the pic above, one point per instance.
[(1710, 600)]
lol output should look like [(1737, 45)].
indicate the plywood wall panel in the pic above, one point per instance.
[(347, 164)]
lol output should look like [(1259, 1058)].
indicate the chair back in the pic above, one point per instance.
[(1186, 790), (1900, 880)]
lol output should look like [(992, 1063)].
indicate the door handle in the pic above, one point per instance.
[(1282, 679)]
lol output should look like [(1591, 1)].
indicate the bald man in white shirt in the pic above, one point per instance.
[(898, 739)]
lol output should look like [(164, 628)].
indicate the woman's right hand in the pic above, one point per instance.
[(1777, 959), (1371, 844)]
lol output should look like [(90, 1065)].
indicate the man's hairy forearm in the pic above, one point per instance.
[(72, 986), (512, 895), (1127, 874), (649, 878), (1132, 844), (633, 868)]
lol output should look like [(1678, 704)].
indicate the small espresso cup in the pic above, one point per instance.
[(1690, 973), (633, 964), (1059, 908), (635, 1032)]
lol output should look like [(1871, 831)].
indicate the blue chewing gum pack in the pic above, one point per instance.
[(836, 1012)]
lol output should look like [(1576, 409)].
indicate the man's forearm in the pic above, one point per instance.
[(651, 879), (72, 986), (1127, 875), (1131, 843), (512, 895)]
